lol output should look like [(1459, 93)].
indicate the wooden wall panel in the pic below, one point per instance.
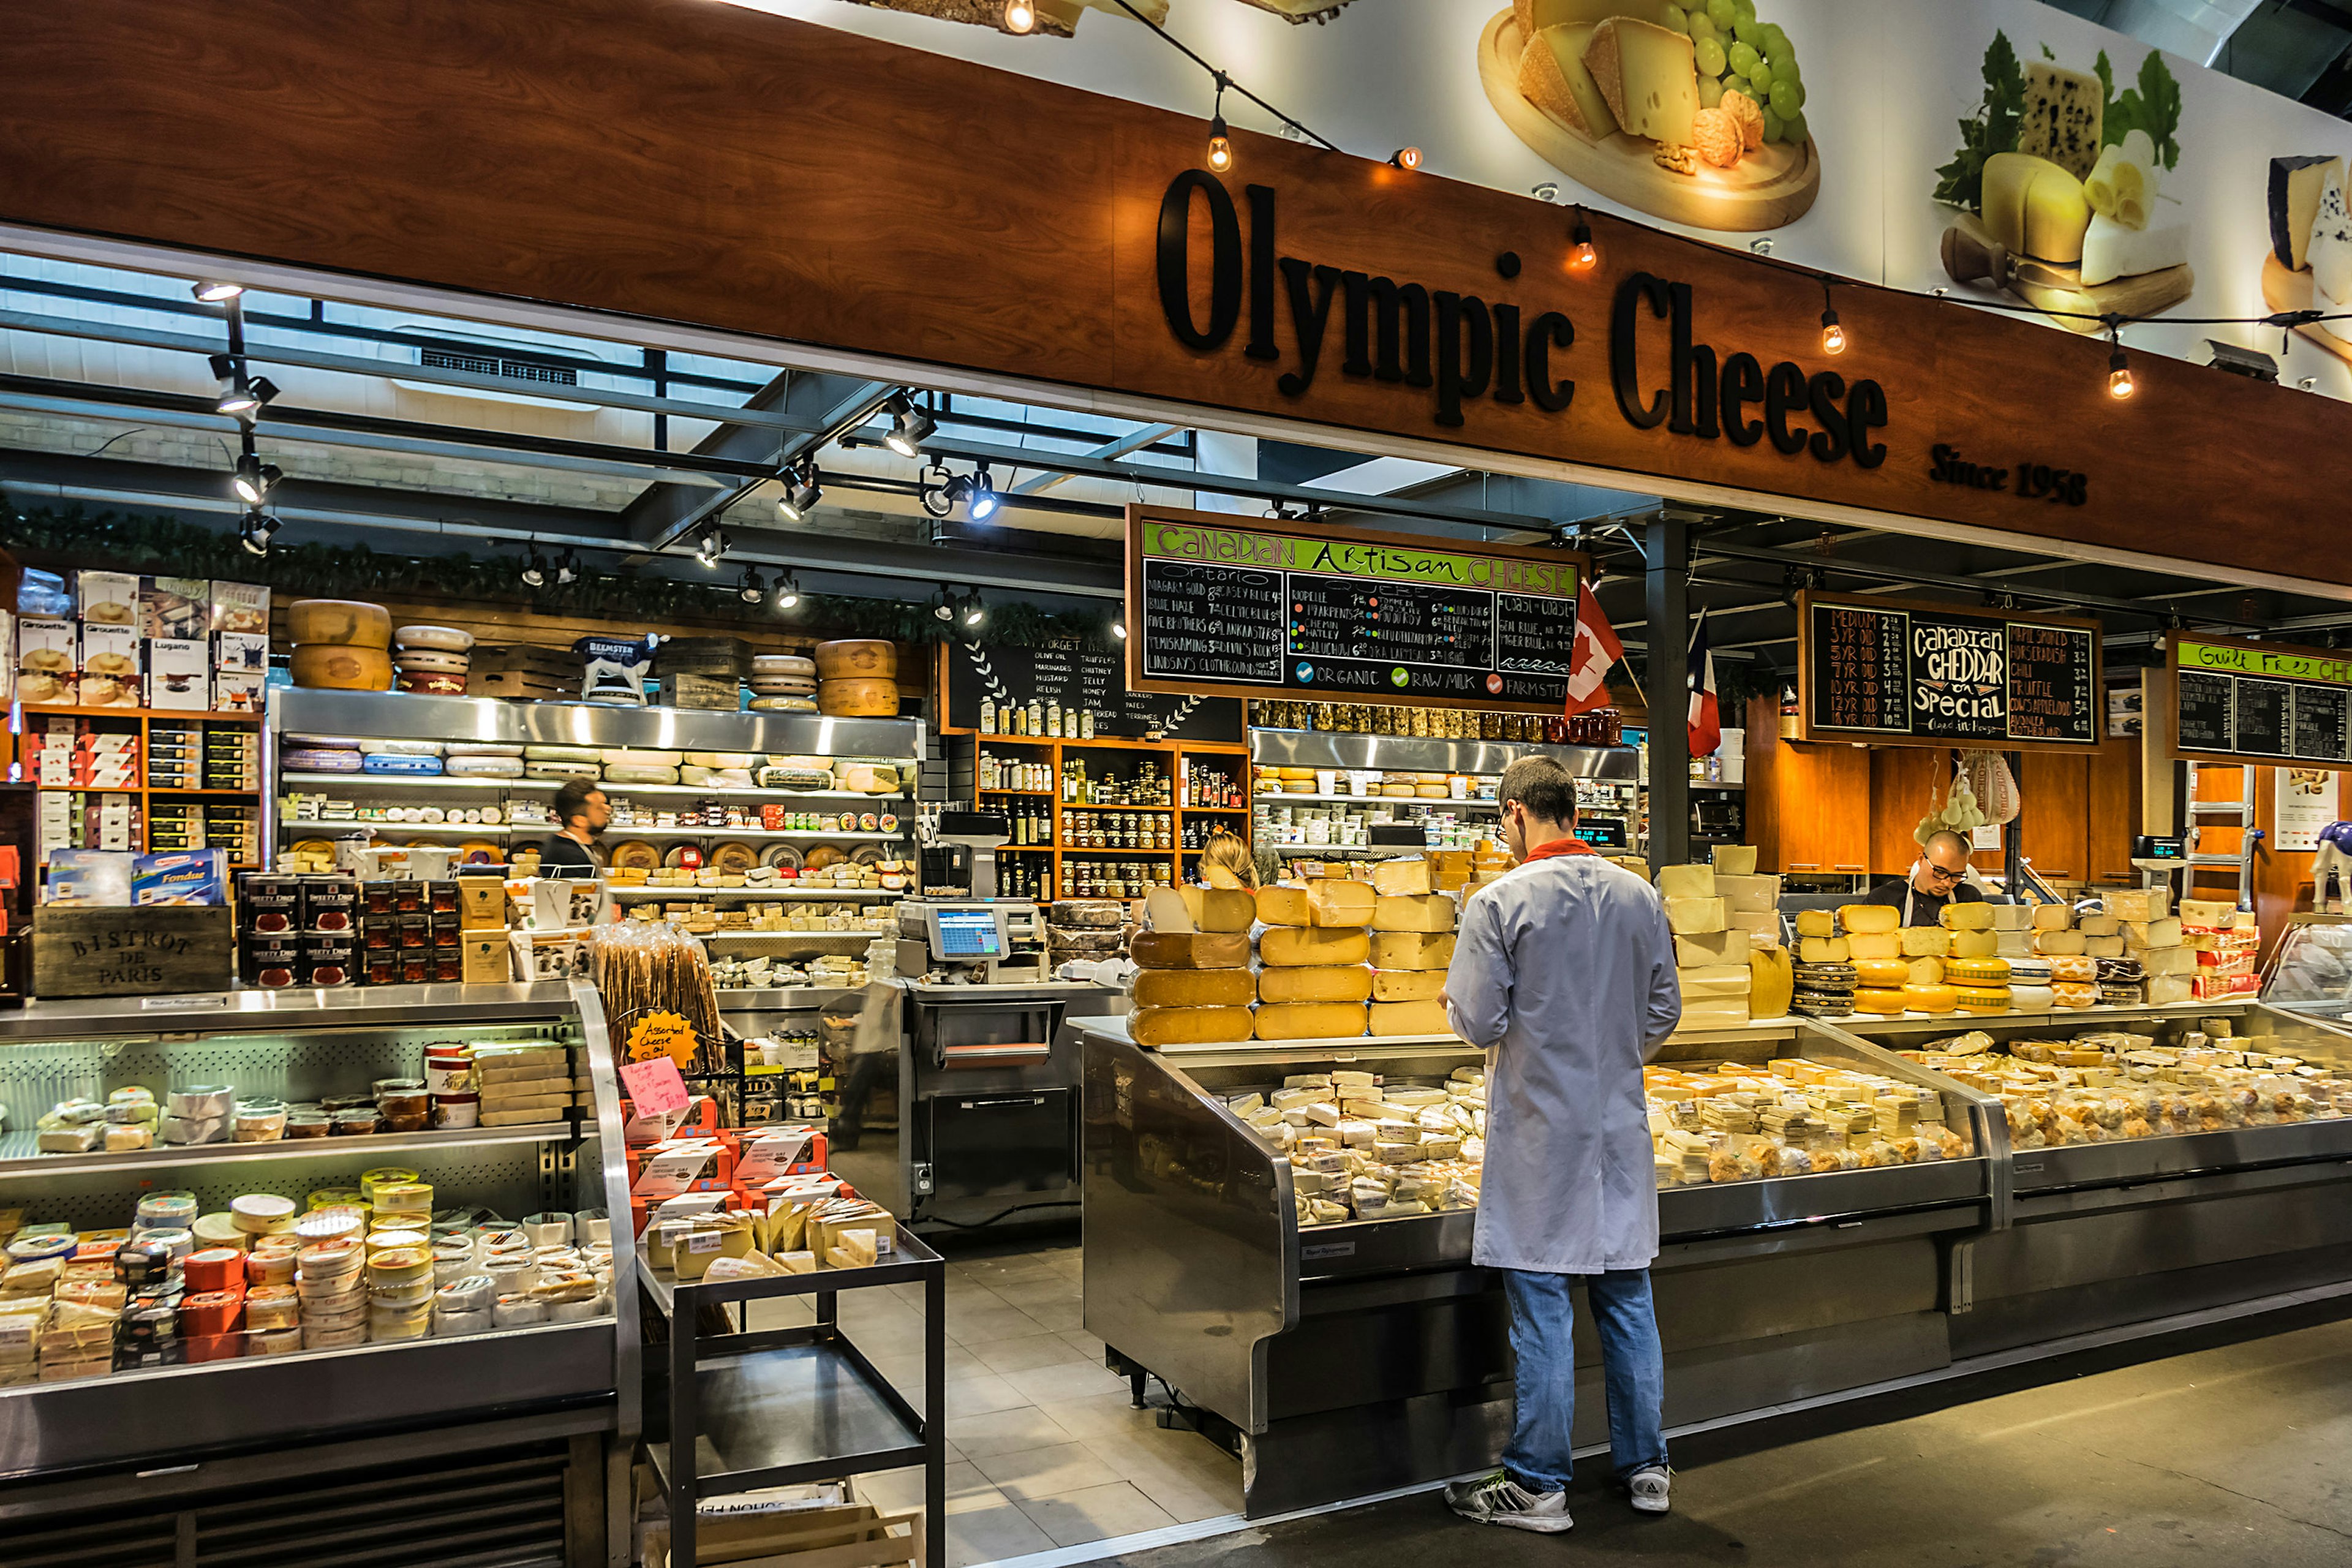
[(2111, 809), (1905, 784), (715, 165), (1808, 807), (2055, 789)]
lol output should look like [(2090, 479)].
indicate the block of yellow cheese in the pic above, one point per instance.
[(1448, 870), (1427, 911), (2053, 917), (1772, 982), (2140, 903), (1647, 75), (1310, 1020), (2103, 946), (1870, 917), (1716, 980), (1189, 950), (1315, 983), (1195, 988), (2177, 960), (1293, 946), (1975, 943), (1219, 909), (1218, 876), (1735, 859), (1925, 971), (1875, 945), (1402, 876), (1408, 984), (2099, 925), (2059, 942), (1686, 881), (1925, 942), (1750, 893), (1957, 916), (1552, 76), (1695, 916), (2208, 914), (1711, 947), (2033, 207), (1816, 922), (1412, 950), (1189, 1025), (1333, 901), (1427, 1018), (1282, 904), (2163, 931), (1821, 949)]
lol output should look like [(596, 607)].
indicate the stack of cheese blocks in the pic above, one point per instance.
[(1194, 984), (1727, 927), (520, 1085), (1319, 937), (2221, 943), (1906, 969)]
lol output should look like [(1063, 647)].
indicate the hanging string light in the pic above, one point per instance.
[(2119, 375), (1832, 334), (1020, 16), (1221, 146), (1582, 258), (1406, 158)]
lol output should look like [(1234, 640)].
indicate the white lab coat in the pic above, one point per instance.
[(1564, 973)]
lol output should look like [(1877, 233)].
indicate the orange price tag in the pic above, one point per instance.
[(662, 1035)]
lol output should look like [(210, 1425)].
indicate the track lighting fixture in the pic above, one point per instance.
[(254, 479), (974, 612), (1581, 255), (936, 489), (982, 497), (712, 545), (910, 426), (1020, 17), (1221, 146), (1119, 630), (1406, 158), (255, 532), (238, 398), (567, 568), (753, 589), (215, 292), (1832, 334), (788, 591), (534, 568), (943, 605), (802, 492)]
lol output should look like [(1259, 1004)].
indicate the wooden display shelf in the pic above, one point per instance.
[(147, 720)]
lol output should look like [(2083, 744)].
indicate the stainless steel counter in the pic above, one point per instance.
[(352, 1006)]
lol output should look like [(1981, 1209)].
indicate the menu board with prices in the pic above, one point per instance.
[(1227, 605), (2260, 702), (1906, 673), (1082, 678)]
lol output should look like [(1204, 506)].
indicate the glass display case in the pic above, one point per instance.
[(215, 1242)]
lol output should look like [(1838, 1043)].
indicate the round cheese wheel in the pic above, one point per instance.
[(1886, 971), (784, 685), (2071, 995), (1878, 1000), (2065, 969), (375, 747), (784, 664), (446, 639), (562, 754), (480, 749), (427, 662), (556, 772), (1431, 791), (637, 773), (342, 667), (783, 705), (855, 657), (630, 757), (636, 855), (387, 762), (472, 767), (323, 759), (724, 759), (857, 697), (1930, 998), (2031, 998), (1976, 970), (423, 684), (342, 623), (1983, 998)]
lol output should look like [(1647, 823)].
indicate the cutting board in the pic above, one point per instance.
[(2048, 286), (2285, 288), (1771, 186)]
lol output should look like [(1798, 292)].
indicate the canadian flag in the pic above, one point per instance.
[(1595, 650), (1706, 719)]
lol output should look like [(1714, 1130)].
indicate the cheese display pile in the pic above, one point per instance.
[(2311, 229), (1790, 1117), (1727, 953), (1708, 84), (1359, 1150), (2099, 1085)]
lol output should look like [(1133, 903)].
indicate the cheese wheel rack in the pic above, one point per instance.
[(1769, 1288), (249, 1409)]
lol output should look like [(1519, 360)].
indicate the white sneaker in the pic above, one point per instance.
[(1649, 1488), (1498, 1499)]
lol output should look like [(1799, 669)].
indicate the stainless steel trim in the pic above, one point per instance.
[(1416, 753), (306, 710), (214, 1012), (614, 1177)]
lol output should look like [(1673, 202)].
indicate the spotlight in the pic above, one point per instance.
[(2253, 363), (800, 494), (752, 590), (938, 489), (974, 612), (254, 532), (534, 568), (2119, 375), (254, 479), (713, 546), (983, 498), (1406, 158), (1020, 16), (214, 291), (910, 426), (567, 568), (1119, 630), (238, 398), (788, 591), (942, 606), (1581, 255)]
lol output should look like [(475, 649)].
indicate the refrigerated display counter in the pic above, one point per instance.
[(1344, 1358), (212, 1385)]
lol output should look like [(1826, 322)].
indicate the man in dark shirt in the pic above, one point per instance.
[(1935, 881), (573, 852)]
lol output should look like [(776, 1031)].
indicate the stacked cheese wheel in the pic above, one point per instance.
[(433, 661), (1314, 984), (1411, 946), (341, 645), (857, 678), (1903, 969), (783, 682)]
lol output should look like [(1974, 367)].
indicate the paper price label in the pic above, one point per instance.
[(704, 1241), (655, 1087), (662, 1035)]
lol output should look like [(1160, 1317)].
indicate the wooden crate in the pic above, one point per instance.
[(856, 1535), (129, 952)]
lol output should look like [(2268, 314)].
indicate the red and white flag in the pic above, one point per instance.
[(1595, 650), (1705, 717)]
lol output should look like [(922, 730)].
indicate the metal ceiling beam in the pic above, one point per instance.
[(1133, 441), (820, 405)]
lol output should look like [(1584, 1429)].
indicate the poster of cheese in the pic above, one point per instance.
[(2005, 152)]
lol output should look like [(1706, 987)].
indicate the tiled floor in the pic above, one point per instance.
[(1044, 1448)]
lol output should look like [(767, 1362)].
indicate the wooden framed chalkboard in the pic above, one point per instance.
[(1244, 607), (2240, 701), (1904, 672), (1080, 677)]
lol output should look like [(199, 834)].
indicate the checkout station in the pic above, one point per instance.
[(972, 1118)]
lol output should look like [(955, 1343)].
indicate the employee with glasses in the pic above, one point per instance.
[(1937, 878)]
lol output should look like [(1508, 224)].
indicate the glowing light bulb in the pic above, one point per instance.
[(1221, 146), (1020, 16), (1406, 158), (1581, 255), (2119, 375), (1832, 334)]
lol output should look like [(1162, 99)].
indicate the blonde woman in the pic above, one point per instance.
[(1228, 850)]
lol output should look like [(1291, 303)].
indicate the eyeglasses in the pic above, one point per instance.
[(1941, 875)]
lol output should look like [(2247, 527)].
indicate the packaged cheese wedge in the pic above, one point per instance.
[(1408, 984), (2099, 925), (1315, 983), (1194, 988), (1310, 1020), (1717, 980), (1409, 950), (1294, 946), (1156, 1026), (1190, 949), (1696, 917), (1409, 1018), (1425, 912), (1750, 894)]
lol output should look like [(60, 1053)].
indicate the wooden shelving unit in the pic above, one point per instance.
[(1056, 753), (146, 719)]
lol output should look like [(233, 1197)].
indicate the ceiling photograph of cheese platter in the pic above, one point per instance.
[(2008, 154)]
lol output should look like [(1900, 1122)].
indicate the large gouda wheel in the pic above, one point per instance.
[(1155, 1027), (1195, 988), (1190, 949), (342, 668), (1310, 1020), (854, 656), (1409, 1018), (1317, 983), (347, 622), (1297, 946), (858, 697)]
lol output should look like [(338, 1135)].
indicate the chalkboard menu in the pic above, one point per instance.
[(1082, 678), (1228, 606), (2261, 702), (1902, 673)]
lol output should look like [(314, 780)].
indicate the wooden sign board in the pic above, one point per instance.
[(1233, 606), (1083, 678), (122, 951), (2238, 702), (1904, 672)]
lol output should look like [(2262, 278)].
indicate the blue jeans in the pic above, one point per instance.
[(1543, 1342)]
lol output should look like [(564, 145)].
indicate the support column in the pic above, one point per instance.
[(1667, 688)]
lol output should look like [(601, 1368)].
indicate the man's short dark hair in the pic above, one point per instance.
[(571, 800), (1543, 786)]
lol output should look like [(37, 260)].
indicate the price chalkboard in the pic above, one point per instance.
[(2260, 702), (1915, 674), (1082, 678), (1233, 607)]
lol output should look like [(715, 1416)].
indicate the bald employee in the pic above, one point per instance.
[(1937, 878)]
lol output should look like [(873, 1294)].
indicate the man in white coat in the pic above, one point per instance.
[(1564, 973)]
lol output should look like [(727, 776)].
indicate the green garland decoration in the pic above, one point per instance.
[(165, 546)]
